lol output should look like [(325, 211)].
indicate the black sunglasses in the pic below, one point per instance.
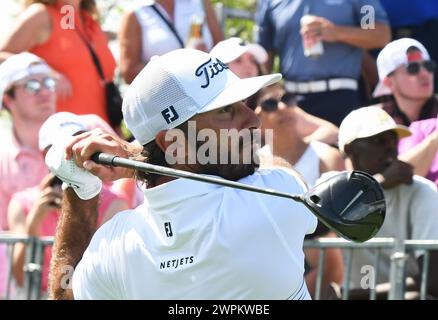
[(271, 104), (413, 68)]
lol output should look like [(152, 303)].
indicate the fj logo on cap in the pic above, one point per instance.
[(209, 70), (170, 114)]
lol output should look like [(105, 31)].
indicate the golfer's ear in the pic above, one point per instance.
[(171, 141), (161, 140)]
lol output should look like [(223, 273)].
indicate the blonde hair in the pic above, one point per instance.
[(87, 5)]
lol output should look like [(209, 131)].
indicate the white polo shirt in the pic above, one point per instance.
[(193, 240)]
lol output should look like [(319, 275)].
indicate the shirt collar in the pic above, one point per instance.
[(16, 149), (176, 191)]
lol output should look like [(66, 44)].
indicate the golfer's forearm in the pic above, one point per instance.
[(76, 227)]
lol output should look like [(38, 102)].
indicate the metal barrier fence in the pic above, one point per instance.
[(329, 243), (397, 278), (33, 264), (34, 261)]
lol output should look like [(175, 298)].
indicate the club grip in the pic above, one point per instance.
[(103, 158)]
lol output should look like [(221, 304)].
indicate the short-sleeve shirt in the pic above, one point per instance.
[(410, 214), (66, 52), (279, 31), (420, 130), (27, 199), (193, 240), (20, 168)]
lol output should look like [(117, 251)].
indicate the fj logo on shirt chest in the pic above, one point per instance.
[(209, 70), (168, 229)]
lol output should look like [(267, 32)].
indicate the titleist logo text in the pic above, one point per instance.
[(209, 70)]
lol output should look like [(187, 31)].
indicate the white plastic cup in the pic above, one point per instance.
[(312, 48)]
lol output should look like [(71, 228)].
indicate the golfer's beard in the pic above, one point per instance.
[(231, 170)]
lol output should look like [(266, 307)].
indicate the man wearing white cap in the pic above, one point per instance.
[(27, 91), (189, 240), (368, 137), (35, 211), (244, 59), (406, 72)]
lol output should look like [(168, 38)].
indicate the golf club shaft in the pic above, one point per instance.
[(115, 161)]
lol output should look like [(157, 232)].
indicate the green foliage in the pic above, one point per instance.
[(239, 27)]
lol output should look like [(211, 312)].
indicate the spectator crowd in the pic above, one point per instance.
[(358, 93)]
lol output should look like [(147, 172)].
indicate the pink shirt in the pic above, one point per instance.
[(20, 168), (420, 130), (48, 227)]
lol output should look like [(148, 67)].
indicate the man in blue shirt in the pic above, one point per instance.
[(325, 86)]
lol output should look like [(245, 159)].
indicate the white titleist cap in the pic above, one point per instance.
[(367, 122), (174, 87), (18, 67), (392, 56), (232, 48)]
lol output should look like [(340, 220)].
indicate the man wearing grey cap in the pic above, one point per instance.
[(189, 240)]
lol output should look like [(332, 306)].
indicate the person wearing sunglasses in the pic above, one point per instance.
[(34, 86), (35, 211), (406, 73), (27, 94), (277, 112), (246, 60), (325, 80)]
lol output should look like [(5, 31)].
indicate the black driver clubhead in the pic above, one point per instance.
[(350, 203)]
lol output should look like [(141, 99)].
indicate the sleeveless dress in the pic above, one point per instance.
[(66, 52)]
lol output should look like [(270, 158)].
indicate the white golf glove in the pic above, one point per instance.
[(85, 184)]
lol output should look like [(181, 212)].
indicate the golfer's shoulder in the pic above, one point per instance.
[(278, 178), (118, 227)]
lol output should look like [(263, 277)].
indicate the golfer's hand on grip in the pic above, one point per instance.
[(83, 146)]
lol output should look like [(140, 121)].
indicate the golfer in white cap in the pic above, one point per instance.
[(189, 240)]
